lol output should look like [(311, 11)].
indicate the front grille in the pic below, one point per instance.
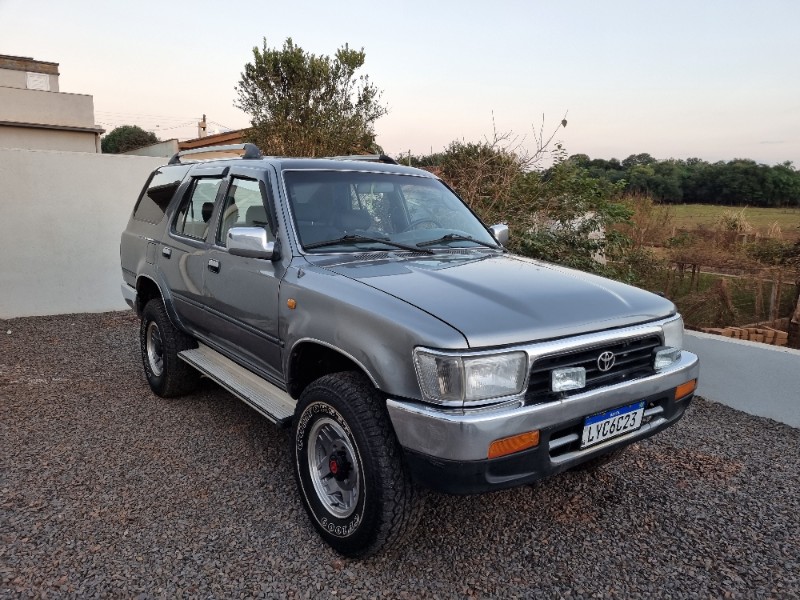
[(633, 360)]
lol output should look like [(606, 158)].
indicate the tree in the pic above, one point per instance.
[(301, 104), (638, 159), (127, 137)]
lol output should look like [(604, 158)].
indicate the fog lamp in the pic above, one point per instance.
[(571, 378), (664, 357)]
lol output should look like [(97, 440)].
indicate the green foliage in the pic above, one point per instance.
[(126, 137), (575, 219), (302, 104), (773, 252), (562, 215), (735, 183)]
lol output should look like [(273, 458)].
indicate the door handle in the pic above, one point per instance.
[(213, 266), (166, 252)]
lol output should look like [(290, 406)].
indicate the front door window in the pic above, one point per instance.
[(244, 207)]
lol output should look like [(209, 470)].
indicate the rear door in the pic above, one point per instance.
[(242, 293), (182, 257)]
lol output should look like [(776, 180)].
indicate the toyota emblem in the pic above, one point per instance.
[(605, 361)]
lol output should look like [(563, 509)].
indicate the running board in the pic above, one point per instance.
[(264, 397)]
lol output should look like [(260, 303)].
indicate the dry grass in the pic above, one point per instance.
[(763, 220)]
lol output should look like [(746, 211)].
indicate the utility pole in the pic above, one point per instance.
[(201, 128)]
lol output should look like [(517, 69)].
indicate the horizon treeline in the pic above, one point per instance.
[(738, 182)]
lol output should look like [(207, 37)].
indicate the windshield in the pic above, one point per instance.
[(342, 211)]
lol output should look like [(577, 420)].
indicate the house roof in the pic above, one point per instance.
[(218, 139), (26, 63)]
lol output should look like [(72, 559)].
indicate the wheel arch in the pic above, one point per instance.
[(147, 289), (310, 359)]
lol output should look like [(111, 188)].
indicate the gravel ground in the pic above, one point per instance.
[(107, 490)]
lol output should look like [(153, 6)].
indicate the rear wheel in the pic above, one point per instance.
[(349, 468), (161, 342)]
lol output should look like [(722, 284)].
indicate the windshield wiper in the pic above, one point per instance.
[(355, 239), (457, 237)]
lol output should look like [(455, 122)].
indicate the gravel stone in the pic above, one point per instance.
[(109, 491)]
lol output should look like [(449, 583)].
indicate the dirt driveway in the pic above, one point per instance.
[(107, 490)]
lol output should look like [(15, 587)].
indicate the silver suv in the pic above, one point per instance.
[(363, 304)]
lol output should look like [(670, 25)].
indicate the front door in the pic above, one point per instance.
[(242, 293)]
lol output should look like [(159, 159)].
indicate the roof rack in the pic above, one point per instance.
[(368, 157), (214, 152)]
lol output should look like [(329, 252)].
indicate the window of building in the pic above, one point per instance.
[(38, 81)]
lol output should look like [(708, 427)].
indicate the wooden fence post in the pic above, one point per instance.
[(794, 324), (774, 299), (759, 292)]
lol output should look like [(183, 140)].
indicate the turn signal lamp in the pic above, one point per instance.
[(685, 389), (515, 443)]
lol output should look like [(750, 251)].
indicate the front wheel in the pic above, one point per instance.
[(349, 468)]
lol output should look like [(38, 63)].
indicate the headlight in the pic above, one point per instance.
[(453, 380), (673, 332)]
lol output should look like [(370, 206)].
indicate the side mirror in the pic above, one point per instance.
[(500, 233), (250, 242)]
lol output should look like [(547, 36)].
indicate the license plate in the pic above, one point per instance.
[(611, 423)]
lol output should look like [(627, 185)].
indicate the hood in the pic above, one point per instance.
[(496, 300)]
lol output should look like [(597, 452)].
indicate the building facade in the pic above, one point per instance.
[(35, 115)]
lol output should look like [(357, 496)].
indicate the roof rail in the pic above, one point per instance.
[(367, 157), (230, 151)]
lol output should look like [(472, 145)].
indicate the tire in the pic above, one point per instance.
[(593, 464), (349, 467), (161, 341)]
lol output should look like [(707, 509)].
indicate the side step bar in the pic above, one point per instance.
[(264, 397)]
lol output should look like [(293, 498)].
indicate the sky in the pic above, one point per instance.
[(718, 79)]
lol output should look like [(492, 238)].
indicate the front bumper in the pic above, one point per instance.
[(447, 450)]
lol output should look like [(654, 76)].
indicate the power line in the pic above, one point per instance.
[(145, 115), (221, 125), (188, 124)]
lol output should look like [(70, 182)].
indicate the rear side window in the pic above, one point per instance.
[(157, 194), (196, 209)]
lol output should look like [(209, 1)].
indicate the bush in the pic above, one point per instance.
[(125, 138)]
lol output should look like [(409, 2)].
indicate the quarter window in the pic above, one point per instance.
[(195, 213), (155, 197)]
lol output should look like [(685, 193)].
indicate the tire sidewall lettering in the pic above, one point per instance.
[(332, 525)]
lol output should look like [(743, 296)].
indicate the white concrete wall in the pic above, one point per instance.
[(62, 216), (164, 149), (758, 379), (19, 79), (47, 108)]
